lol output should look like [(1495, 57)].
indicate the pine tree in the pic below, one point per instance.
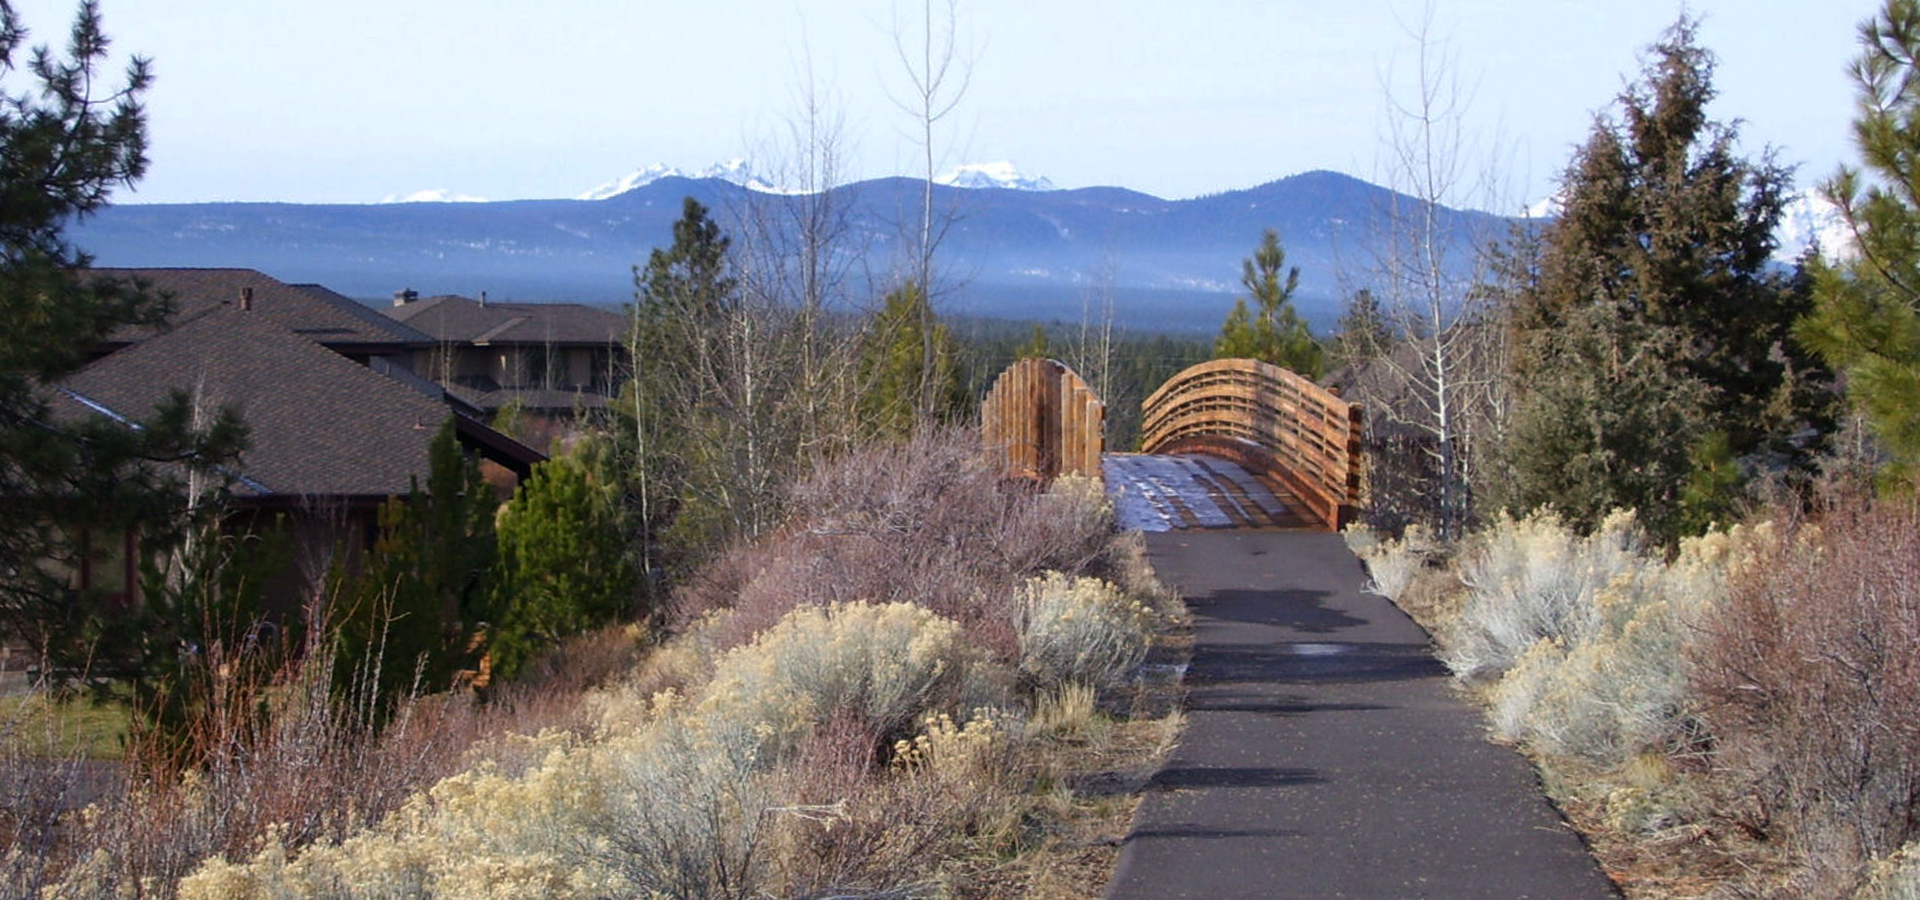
[(894, 369), (1036, 346), (1654, 327), (63, 149), (1867, 319), (563, 566), (1364, 331), (1275, 333), (413, 614), (684, 296)]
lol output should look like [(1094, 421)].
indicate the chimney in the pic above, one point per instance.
[(405, 296), (483, 298), (246, 299)]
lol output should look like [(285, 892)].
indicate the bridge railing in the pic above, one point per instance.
[(1041, 420), (1223, 406)]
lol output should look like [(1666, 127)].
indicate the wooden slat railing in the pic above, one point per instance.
[(1310, 435), (1040, 420)]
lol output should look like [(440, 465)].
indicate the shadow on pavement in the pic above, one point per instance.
[(1176, 777), (1267, 703), (1313, 662), (1302, 610)]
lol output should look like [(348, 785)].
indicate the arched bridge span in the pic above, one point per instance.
[(1272, 421), (1041, 420)]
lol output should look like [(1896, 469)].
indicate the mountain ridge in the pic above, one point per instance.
[(1168, 265)]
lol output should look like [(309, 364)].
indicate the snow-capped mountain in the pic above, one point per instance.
[(1810, 219), (1547, 208), (1807, 219), (1170, 264), (436, 195), (1003, 175), (733, 171)]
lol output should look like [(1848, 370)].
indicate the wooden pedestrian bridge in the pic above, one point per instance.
[(1229, 443)]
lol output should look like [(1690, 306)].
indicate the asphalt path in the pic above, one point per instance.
[(1326, 753)]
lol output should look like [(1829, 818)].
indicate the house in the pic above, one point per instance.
[(552, 359), (339, 323), (330, 438)]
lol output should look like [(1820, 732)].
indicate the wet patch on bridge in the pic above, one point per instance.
[(1179, 492)]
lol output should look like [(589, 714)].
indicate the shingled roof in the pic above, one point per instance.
[(308, 310), (321, 424), (450, 318)]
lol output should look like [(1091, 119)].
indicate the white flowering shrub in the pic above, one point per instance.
[(1391, 564), (1360, 538), (1894, 877), (1534, 579), (670, 799), (1079, 630), (886, 664), (686, 807), (1614, 683), (954, 753), (480, 834)]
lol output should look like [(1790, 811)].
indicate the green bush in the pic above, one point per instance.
[(562, 567)]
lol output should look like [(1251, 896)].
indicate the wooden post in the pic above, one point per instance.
[(1041, 420)]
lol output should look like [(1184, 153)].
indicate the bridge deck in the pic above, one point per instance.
[(1179, 492)]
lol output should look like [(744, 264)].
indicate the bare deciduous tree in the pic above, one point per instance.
[(801, 260), (938, 75), (1426, 269)]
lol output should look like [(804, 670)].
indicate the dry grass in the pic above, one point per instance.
[(1629, 821), (1736, 719), (1810, 681), (840, 718), (297, 768)]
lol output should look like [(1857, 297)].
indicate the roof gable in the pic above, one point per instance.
[(308, 310), (463, 320), (320, 424)]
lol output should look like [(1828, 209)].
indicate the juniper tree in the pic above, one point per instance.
[(896, 367), (563, 566), (1654, 328), (411, 618)]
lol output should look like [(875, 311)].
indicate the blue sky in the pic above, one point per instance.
[(353, 100)]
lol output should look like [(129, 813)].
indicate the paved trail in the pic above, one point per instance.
[(1325, 754)]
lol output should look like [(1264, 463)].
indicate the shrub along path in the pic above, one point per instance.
[(1326, 754)]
